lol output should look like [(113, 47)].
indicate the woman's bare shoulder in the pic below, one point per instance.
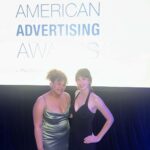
[(67, 96), (40, 100), (96, 98)]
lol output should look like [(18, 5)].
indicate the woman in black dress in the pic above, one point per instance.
[(83, 109)]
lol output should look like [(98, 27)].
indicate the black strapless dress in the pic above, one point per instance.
[(81, 126), (55, 130)]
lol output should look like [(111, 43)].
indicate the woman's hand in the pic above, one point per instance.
[(91, 139)]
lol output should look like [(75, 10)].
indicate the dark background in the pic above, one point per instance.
[(130, 107)]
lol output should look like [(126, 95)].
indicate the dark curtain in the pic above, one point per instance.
[(130, 107)]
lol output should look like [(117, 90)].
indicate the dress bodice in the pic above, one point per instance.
[(55, 130)]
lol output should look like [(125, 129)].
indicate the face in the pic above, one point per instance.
[(58, 87), (82, 83)]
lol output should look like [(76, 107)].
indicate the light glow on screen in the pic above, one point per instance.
[(110, 38)]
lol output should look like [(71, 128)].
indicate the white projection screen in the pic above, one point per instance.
[(110, 38)]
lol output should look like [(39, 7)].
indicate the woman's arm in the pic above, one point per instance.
[(37, 120), (100, 105), (107, 114)]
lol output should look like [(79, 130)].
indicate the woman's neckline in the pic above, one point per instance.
[(57, 113)]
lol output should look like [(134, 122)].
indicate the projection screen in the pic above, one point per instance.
[(110, 38)]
